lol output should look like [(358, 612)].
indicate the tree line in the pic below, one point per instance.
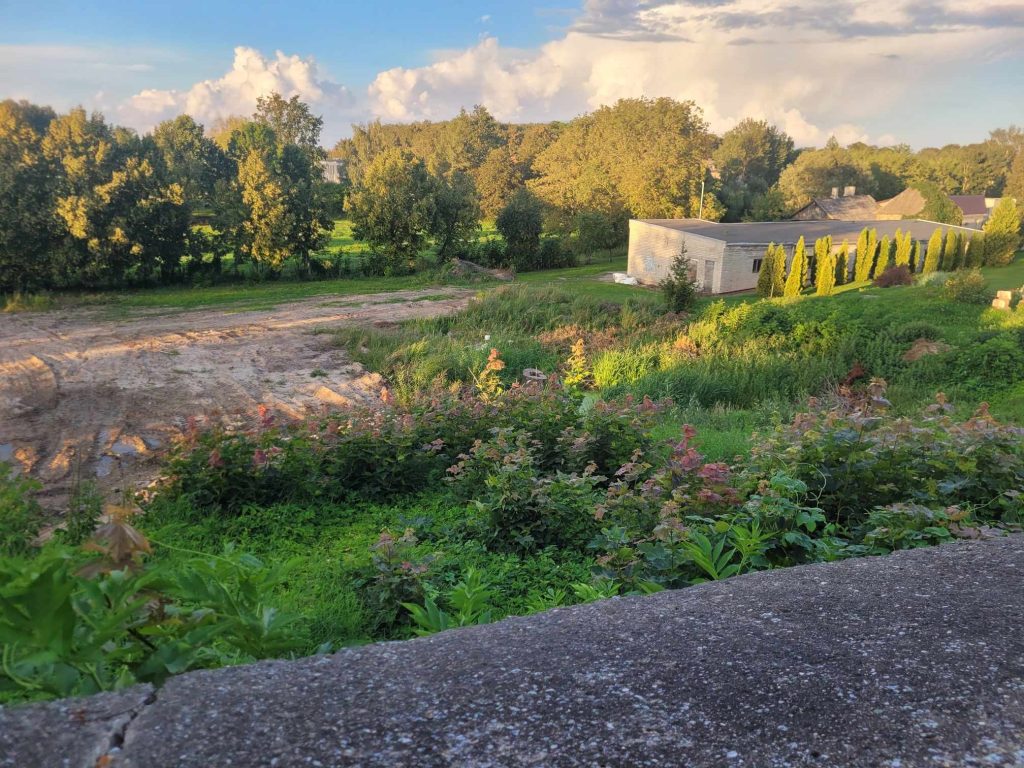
[(947, 250), (87, 203), (84, 202)]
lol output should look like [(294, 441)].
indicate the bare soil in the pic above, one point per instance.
[(83, 397)]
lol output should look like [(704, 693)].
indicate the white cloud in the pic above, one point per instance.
[(816, 67), (235, 93)]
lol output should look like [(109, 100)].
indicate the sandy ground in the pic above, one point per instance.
[(83, 397)]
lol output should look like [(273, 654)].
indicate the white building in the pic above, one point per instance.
[(727, 257)]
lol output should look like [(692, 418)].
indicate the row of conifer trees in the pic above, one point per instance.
[(826, 267)]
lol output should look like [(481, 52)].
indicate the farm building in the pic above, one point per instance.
[(848, 207), (727, 257), (974, 208), (333, 170)]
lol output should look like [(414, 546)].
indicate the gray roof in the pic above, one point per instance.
[(788, 232), (971, 205), (848, 207)]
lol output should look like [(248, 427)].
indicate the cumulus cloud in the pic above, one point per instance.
[(251, 75), (815, 67)]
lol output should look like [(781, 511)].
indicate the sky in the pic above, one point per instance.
[(921, 72)]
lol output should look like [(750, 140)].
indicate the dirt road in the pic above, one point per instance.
[(82, 397)]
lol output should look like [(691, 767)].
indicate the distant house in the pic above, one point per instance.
[(974, 207), (848, 207), (333, 170), (727, 257), (910, 203)]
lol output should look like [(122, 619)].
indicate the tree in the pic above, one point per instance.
[(843, 264), (797, 270), (750, 158), (309, 221), (770, 206), (28, 232), (938, 207), (915, 254), (904, 244), (680, 287), (771, 279), (190, 159), (1015, 178), (867, 249), (815, 172), (390, 207), (975, 255), (951, 251), (264, 232), (520, 224), (885, 257), (1002, 233), (826, 277), (933, 256), (454, 212), (497, 179), (292, 123)]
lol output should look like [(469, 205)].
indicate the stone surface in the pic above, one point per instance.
[(916, 659), (73, 733)]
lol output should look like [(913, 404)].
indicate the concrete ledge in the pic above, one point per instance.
[(916, 659)]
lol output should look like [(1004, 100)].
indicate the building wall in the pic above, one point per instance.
[(652, 249)]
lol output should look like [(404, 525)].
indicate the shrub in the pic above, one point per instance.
[(553, 256), (896, 275), (912, 331), (520, 223), (855, 456), (967, 286), (680, 287), (20, 515)]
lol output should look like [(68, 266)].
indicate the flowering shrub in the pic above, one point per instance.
[(387, 451), (855, 457)]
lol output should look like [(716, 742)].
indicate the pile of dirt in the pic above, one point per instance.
[(83, 397), (923, 347)]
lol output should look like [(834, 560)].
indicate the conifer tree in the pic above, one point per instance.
[(950, 252), (862, 259), (842, 264), (779, 271), (872, 250), (903, 246), (975, 254), (826, 277), (933, 256), (764, 276), (915, 254), (797, 270), (884, 260), (822, 248), (1002, 233)]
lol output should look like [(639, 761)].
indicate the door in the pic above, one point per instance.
[(709, 276)]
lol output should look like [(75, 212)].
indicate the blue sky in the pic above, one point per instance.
[(879, 70)]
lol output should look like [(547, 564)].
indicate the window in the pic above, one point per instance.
[(757, 266)]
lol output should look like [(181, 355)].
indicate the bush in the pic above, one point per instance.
[(967, 286), (20, 515), (680, 287), (915, 330), (553, 256), (895, 275)]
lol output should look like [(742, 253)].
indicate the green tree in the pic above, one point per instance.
[(843, 264), (826, 271), (771, 279), (938, 207), (867, 250), (497, 179), (904, 245), (390, 208), (190, 159), (815, 172), (1015, 178), (975, 252), (1002, 233), (28, 231), (933, 256), (951, 256), (454, 213), (264, 232), (915, 254), (292, 122), (680, 287), (885, 256), (750, 158), (520, 224), (307, 203), (797, 270)]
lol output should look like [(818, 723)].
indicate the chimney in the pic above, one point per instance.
[(849, 191), (835, 192)]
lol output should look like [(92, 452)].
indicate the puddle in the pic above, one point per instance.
[(122, 448), (104, 466), (7, 452)]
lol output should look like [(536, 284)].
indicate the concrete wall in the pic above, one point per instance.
[(653, 248)]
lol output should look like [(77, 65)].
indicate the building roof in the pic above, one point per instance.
[(909, 202), (971, 205), (848, 208), (788, 232)]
